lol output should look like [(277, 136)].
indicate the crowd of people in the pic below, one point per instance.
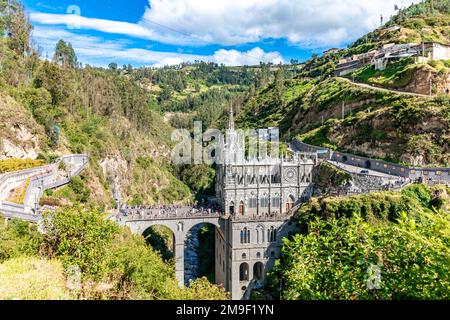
[(167, 211)]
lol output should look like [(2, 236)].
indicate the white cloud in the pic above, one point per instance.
[(137, 30), (168, 62), (98, 51), (73, 21), (317, 23), (312, 24), (251, 57)]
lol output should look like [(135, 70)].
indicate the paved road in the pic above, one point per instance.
[(368, 86), (355, 169)]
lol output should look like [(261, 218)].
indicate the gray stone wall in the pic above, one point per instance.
[(434, 174)]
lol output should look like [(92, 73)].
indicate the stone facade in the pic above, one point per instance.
[(258, 195), (248, 251), (262, 185)]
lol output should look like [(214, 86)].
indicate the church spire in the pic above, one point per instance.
[(231, 120)]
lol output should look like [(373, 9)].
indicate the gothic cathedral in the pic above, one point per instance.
[(257, 195)]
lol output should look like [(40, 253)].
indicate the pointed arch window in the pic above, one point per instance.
[(259, 234), (276, 201), (245, 235), (290, 203), (264, 201), (243, 272), (272, 234), (253, 202)]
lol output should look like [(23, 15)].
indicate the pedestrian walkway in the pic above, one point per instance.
[(40, 179)]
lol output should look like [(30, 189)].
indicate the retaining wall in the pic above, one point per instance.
[(440, 175)]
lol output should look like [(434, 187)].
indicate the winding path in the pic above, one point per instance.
[(368, 86), (40, 179)]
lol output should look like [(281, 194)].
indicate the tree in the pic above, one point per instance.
[(354, 259), (198, 177), (165, 95), (79, 238), (113, 66), (65, 55), (3, 16), (55, 80), (279, 86), (18, 27)]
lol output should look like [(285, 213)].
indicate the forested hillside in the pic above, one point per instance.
[(121, 116), (333, 112), (52, 108), (65, 108)]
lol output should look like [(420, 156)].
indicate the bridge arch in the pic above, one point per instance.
[(179, 226), (200, 252), (162, 239), (258, 271)]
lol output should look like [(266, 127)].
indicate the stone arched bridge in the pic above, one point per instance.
[(179, 221)]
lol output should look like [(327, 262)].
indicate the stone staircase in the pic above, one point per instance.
[(41, 179)]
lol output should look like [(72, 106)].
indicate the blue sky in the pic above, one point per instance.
[(233, 32)]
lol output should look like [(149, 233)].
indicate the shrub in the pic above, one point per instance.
[(354, 259), (18, 238), (114, 263), (380, 246), (79, 237), (82, 193), (13, 164)]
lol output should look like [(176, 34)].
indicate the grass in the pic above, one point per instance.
[(18, 195), (32, 279), (396, 75), (318, 137)]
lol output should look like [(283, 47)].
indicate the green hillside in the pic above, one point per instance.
[(123, 118), (378, 123), (61, 107), (428, 21)]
